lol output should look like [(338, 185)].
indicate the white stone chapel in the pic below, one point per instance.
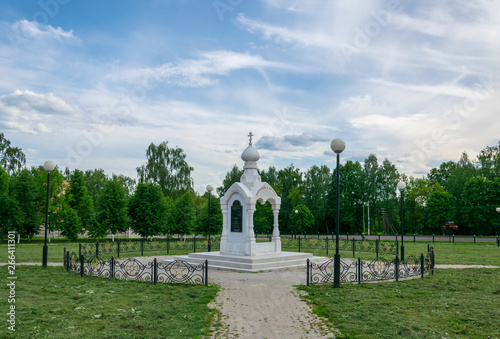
[(238, 207)]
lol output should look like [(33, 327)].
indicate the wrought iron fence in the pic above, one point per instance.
[(376, 246), (364, 271), (165, 245), (173, 272)]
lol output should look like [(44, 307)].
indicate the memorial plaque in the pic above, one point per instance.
[(236, 217)]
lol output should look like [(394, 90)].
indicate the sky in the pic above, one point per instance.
[(91, 84)]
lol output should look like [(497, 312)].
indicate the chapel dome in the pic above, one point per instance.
[(250, 154)]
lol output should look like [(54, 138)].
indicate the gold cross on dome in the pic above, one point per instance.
[(250, 135)]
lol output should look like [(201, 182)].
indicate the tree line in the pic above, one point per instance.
[(162, 200)]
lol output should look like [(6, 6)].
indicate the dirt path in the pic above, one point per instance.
[(264, 305)]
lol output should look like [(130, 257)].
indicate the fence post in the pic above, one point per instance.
[(206, 272), (432, 260), (413, 237), (97, 249), (397, 247), (432, 237), (376, 246), (347, 236), (360, 268), (307, 274), (353, 247), (155, 271), (299, 243), (80, 250), (379, 237), (81, 265), (64, 257), (474, 238), (326, 239), (142, 247), (112, 265), (332, 235), (118, 248), (67, 261), (168, 245), (422, 264), (396, 273), (453, 238)]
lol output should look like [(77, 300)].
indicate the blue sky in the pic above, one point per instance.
[(90, 84)]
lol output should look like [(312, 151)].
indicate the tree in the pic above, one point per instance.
[(183, 215), (111, 211), (289, 179), (79, 199), (57, 196), (263, 218), (94, 181), (489, 162), (26, 219), (303, 220), (5, 203), (148, 210), (478, 202), (415, 200), (317, 182), (215, 217), (440, 208), (69, 223), (12, 159), (168, 168), (231, 177)]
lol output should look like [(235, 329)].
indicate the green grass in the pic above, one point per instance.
[(51, 303), (449, 304), (458, 253)]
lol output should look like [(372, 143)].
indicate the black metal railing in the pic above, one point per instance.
[(377, 246), (171, 272), (142, 246), (364, 271)]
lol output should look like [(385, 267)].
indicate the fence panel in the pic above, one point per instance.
[(181, 272)]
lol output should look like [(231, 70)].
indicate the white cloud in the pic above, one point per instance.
[(34, 30), (194, 72)]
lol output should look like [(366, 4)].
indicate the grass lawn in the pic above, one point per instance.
[(458, 253), (51, 303), (452, 303)]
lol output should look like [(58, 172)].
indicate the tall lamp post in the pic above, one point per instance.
[(401, 188), (209, 190), (296, 223), (337, 145), (49, 167), (498, 232)]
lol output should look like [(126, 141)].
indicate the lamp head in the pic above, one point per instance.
[(497, 209), (401, 186), (337, 145), (49, 166), (209, 188)]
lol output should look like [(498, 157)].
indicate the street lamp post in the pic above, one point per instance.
[(337, 145), (498, 232), (209, 189), (49, 167), (296, 223), (401, 187)]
